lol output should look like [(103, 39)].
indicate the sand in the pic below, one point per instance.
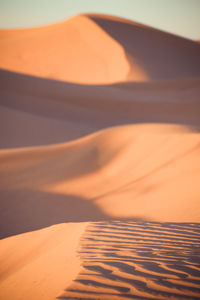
[(99, 162)]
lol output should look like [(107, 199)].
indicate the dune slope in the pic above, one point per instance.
[(53, 248), (47, 112), (83, 179), (151, 261), (75, 50), (97, 49), (160, 55), (99, 162)]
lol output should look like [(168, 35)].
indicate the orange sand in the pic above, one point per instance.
[(99, 129)]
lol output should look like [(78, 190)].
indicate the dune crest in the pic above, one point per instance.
[(152, 261), (155, 161), (76, 50), (38, 111), (97, 49), (21, 257)]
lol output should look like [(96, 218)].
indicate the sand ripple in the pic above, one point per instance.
[(131, 260)]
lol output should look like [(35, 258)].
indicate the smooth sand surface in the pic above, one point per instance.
[(99, 162), (36, 265)]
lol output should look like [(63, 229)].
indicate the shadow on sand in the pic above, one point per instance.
[(96, 107), (138, 260), (153, 59), (25, 210)]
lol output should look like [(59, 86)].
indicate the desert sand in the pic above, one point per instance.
[(99, 162)]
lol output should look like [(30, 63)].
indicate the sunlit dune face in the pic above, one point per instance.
[(98, 49), (77, 50), (35, 257), (124, 172)]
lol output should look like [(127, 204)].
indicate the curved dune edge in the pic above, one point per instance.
[(98, 49), (76, 50), (159, 164), (36, 111), (157, 53), (40, 264), (155, 161)]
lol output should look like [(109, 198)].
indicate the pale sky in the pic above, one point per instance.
[(181, 17)]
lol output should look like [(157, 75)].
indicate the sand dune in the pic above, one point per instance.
[(30, 261), (98, 49), (50, 111), (99, 162), (164, 59), (73, 52), (84, 178)]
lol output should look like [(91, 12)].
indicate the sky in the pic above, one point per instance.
[(181, 17)]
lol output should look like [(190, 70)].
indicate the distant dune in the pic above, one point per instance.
[(96, 49), (99, 162)]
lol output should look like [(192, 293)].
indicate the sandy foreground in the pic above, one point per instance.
[(99, 162)]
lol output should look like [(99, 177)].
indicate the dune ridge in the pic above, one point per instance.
[(76, 110), (104, 64), (155, 161), (53, 51), (99, 162), (54, 248)]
